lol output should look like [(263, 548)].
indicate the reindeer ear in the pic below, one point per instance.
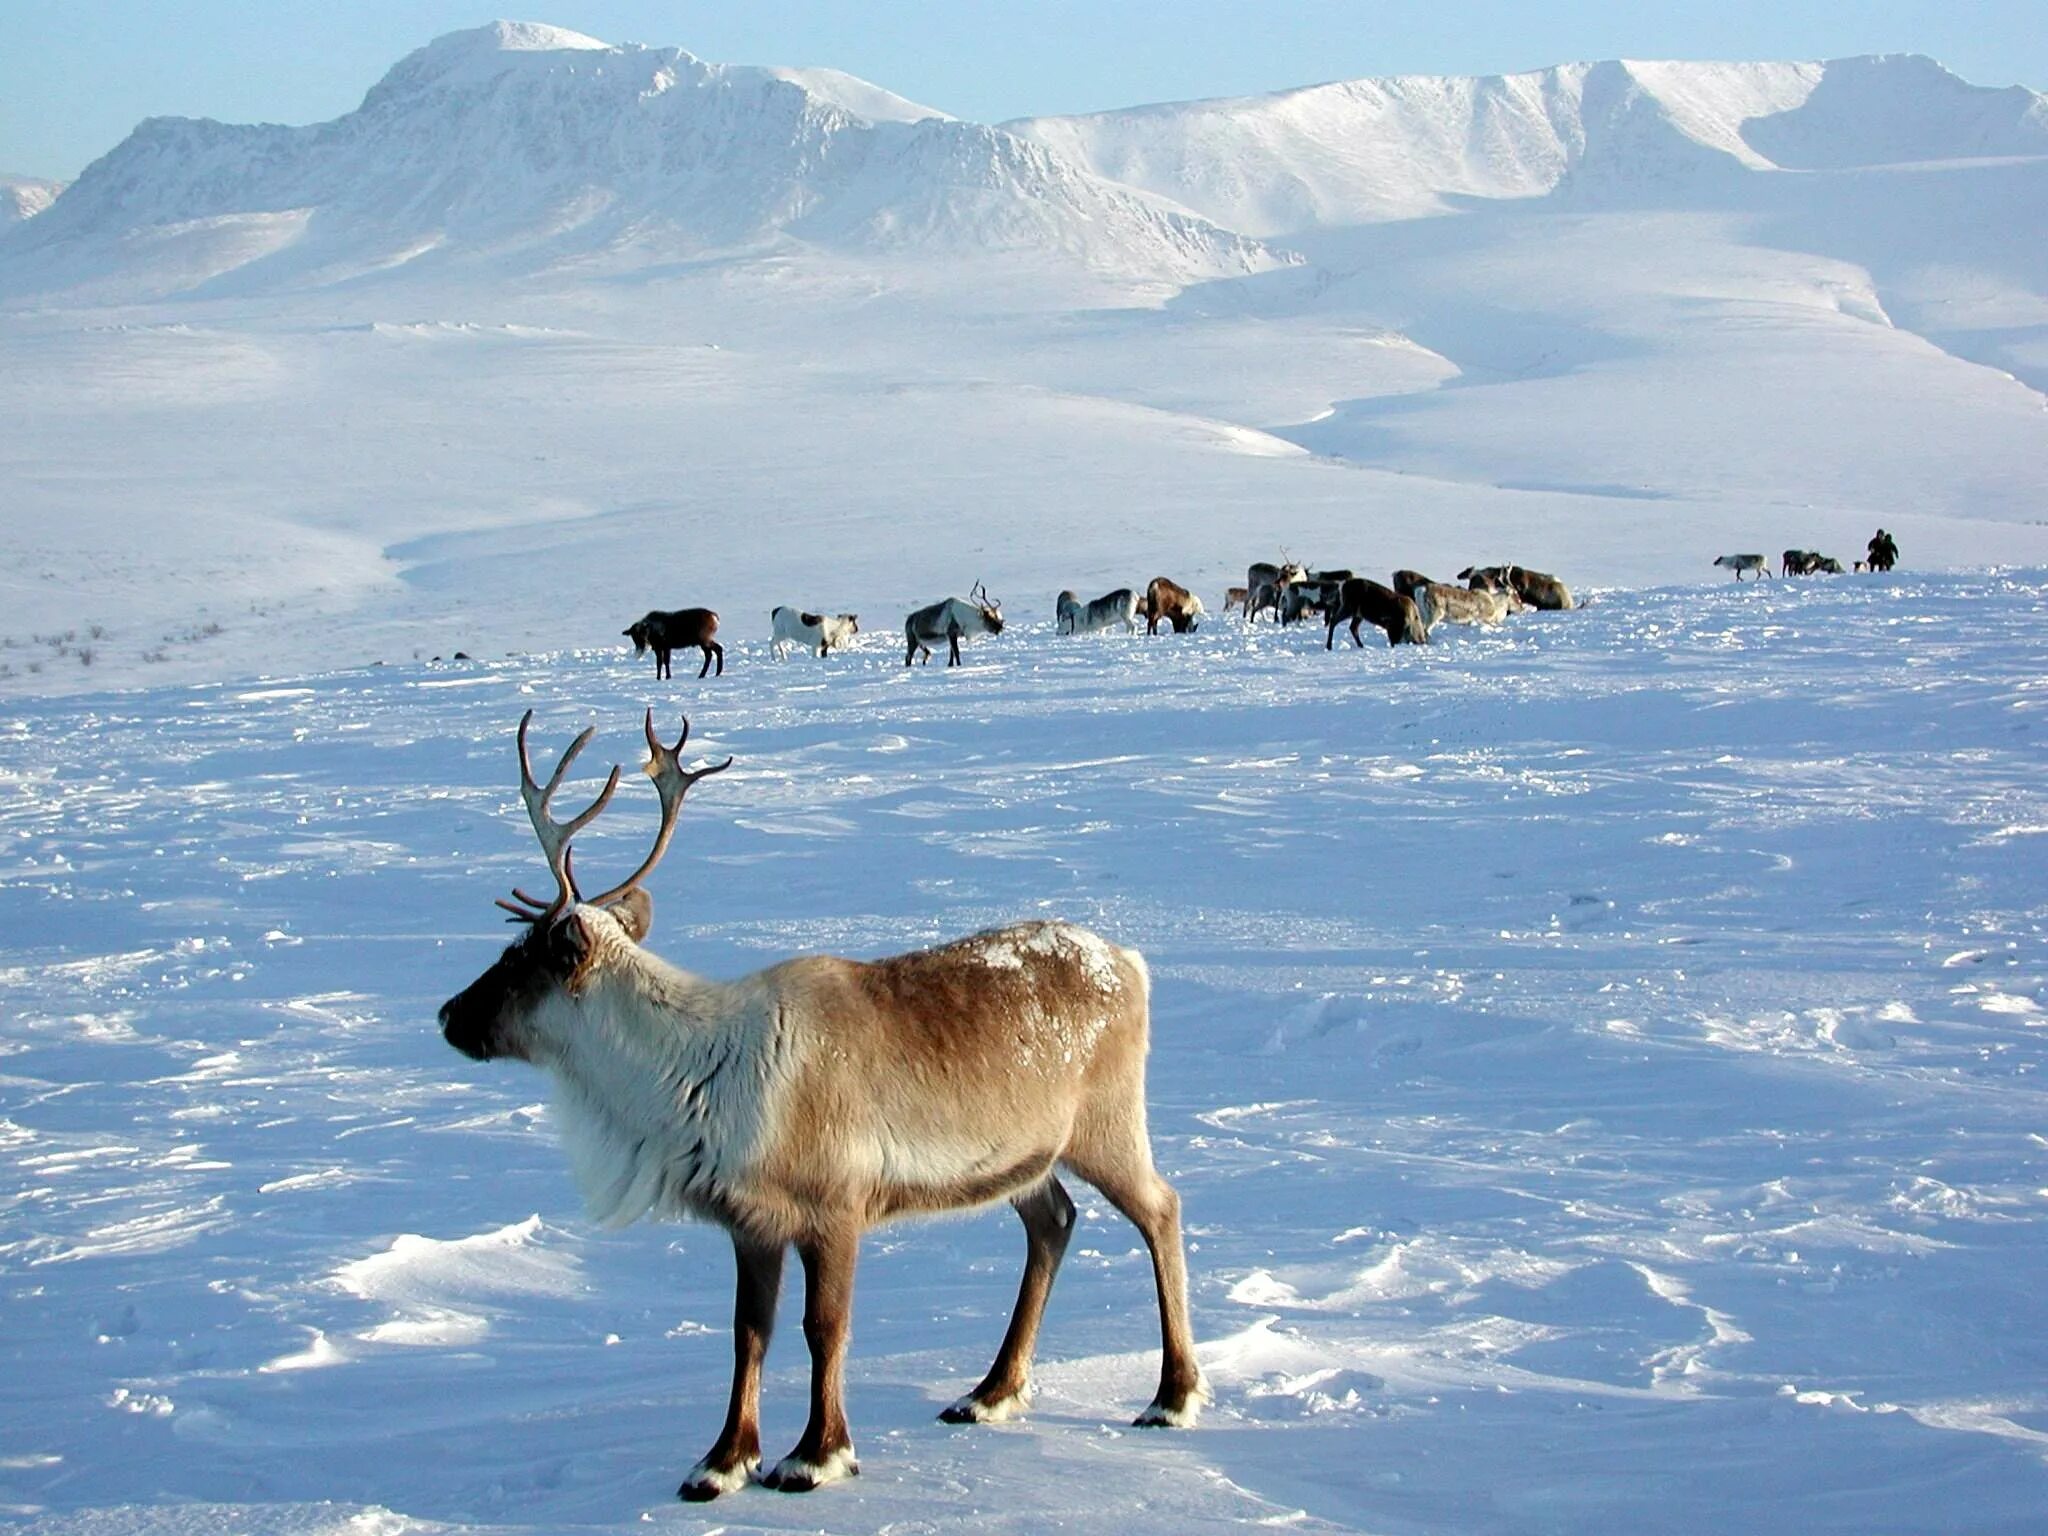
[(634, 912)]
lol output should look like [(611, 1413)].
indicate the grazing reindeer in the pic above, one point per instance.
[(1367, 602), (1757, 563), (1167, 599), (805, 1103), (975, 614), (671, 631), (792, 626), (1794, 562), (1535, 589), (1235, 597), (1074, 617), (1438, 603)]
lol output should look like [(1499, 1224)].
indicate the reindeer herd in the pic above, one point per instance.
[(1881, 555), (1405, 612)]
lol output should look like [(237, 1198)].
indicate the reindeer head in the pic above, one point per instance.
[(991, 608), (570, 940), (637, 633)]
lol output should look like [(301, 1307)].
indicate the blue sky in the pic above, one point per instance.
[(75, 77)]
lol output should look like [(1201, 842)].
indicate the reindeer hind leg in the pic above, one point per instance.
[(1048, 1214), (1117, 1159)]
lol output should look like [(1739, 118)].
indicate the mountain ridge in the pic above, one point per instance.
[(1407, 146), (521, 141)]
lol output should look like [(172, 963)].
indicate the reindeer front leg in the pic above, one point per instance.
[(825, 1452), (727, 1465)]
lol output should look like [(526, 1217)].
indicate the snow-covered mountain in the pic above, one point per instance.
[(23, 197), (1363, 151), (537, 143)]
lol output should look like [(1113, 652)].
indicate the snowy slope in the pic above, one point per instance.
[(529, 144), (1361, 151), (1602, 1063)]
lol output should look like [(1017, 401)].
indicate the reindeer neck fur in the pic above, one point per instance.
[(663, 1083)]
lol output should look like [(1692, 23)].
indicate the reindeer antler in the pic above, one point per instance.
[(671, 782), (554, 835)]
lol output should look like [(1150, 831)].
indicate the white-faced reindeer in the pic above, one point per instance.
[(808, 1102), (951, 621)]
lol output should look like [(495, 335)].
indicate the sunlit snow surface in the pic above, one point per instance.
[(1600, 1061)]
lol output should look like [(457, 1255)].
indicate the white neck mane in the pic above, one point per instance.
[(662, 1083)]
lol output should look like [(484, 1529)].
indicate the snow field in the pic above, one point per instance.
[(1600, 1061)]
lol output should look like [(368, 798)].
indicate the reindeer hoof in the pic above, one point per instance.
[(706, 1482), (990, 1410), (1177, 1412), (793, 1474)]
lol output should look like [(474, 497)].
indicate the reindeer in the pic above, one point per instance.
[(803, 1104), (1536, 589), (1437, 603), (792, 626), (1167, 599), (1264, 583), (975, 614), (1367, 602), (1074, 617), (671, 631)]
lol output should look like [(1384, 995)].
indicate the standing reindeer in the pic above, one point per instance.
[(975, 614), (666, 631), (810, 1101)]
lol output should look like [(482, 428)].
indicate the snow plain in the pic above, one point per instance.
[(1601, 1061)]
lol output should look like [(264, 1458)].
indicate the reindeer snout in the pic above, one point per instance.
[(464, 1034)]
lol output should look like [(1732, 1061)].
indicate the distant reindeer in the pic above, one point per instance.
[(1264, 583), (1755, 563), (1536, 589), (1794, 562), (1438, 603), (671, 631), (810, 1101), (1235, 597), (1071, 616), (956, 617), (1167, 599), (1367, 602), (819, 631)]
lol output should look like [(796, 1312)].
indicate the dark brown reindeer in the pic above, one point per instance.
[(808, 1102), (1367, 602), (1167, 599), (672, 630)]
